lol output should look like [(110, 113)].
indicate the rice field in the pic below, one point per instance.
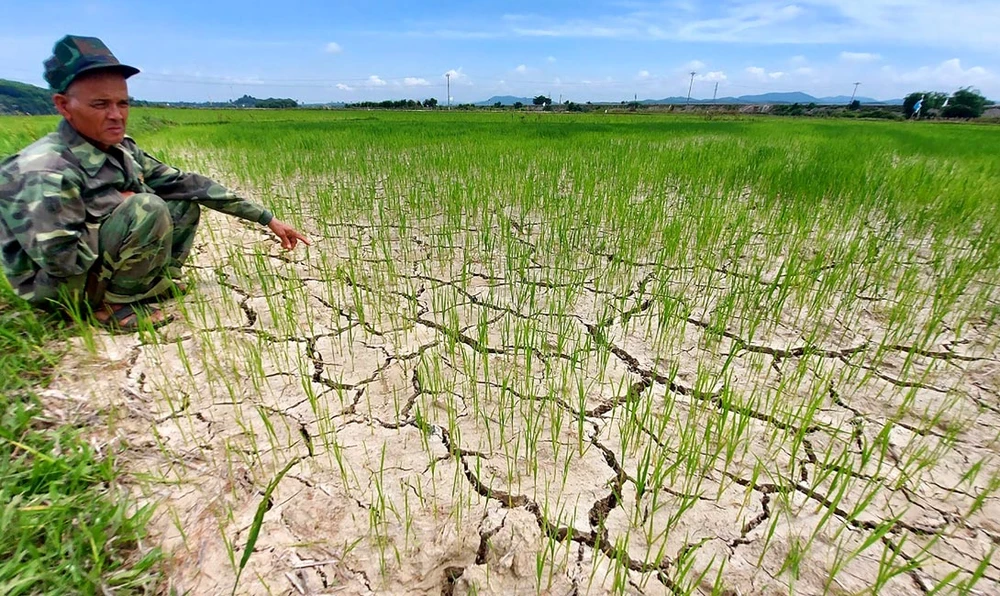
[(590, 354)]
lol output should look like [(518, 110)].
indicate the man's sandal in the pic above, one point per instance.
[(131, 317)]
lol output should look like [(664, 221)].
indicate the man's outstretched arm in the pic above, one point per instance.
[(171, 184)]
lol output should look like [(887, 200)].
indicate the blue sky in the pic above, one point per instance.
[(607, 50)]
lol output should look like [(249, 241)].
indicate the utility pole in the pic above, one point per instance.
[(855, 91), (690, 86), (447, 75), (716, 93)]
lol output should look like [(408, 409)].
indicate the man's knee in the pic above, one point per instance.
[(147, 203), (144, 214), (140, 220)]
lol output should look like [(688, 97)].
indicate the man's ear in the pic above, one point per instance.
[(61, 101)]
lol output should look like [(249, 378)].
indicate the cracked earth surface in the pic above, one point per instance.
[(455, 425)]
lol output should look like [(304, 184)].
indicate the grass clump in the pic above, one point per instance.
[(64, 528)]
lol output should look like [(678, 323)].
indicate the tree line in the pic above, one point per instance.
[(964, 103), (247, 101), (396, 104)]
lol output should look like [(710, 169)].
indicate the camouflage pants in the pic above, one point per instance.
[(142, 245)]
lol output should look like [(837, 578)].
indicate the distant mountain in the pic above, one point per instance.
[(764, 98), (789, 97), (22, 98), (505, 100), (774, 98), (669, 100)]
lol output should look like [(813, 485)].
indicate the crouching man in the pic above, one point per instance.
[(86, 215)]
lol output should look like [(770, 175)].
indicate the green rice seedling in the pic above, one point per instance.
[(774, 287), (258, 520)]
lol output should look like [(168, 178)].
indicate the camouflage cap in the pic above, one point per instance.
[(74, 55)]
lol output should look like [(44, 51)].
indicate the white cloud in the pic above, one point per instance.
[(922, 23), (376, 81), (946, 76), (714, 76), (804, 71), (799, 60), (521, 68), (574, 29), (859, 57), (457, 75), (344, 87), (763, 75), (415, 82), (550, 59), (694, 65), (643, 74), (333, 48)]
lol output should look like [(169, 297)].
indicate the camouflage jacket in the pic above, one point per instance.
[(55, 193)]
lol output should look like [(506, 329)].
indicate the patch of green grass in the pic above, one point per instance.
[(65, 528)]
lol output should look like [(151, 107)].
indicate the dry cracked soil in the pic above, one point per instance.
[(445, 434)]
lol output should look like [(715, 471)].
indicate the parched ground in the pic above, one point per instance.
[(457, 424)]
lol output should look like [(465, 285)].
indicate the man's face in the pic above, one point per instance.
[(96, 105)]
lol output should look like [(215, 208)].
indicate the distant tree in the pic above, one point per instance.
[(246, 101), (965, 103), (430, 103), (542, 100), (959, 111), (932, 101), (518, 105), (276, 103), (498, 105), (909, 101), (855, 105), (795, 109)]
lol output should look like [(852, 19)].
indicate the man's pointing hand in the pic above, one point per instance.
[(288, 235)]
